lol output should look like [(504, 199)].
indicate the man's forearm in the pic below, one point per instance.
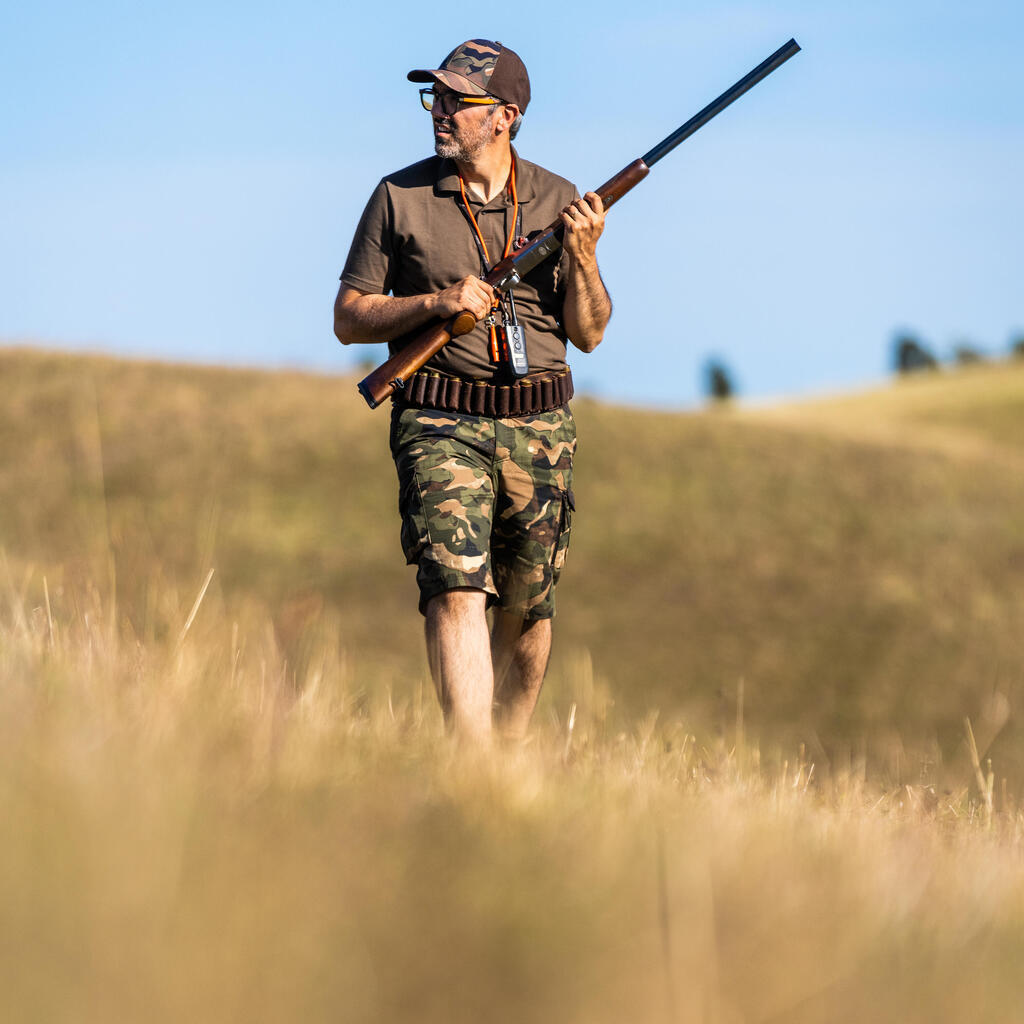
[(360, 319), (588, 307)]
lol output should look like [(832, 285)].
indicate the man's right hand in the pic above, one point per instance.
[(472, 294)]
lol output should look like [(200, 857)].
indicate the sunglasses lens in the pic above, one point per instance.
[(446, 103), (449, 102)]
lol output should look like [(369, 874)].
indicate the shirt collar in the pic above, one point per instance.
[(448, 178)]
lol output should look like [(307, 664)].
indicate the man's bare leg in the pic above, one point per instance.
[(519, 650), (459, 651)]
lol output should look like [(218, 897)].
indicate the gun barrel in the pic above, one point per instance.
[(748, 81)]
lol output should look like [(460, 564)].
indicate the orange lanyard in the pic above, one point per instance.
[(483, 245)]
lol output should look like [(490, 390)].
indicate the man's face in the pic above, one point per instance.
[(463, 135)]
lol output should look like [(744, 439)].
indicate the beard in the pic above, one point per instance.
[(465, 142)]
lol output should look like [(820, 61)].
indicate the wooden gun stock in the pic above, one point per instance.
[(392, 375)]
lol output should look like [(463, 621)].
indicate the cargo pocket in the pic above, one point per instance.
[(415, 535), (564, 531)]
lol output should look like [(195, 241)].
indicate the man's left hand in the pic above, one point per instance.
[(584, 222)]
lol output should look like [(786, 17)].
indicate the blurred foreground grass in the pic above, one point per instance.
[(194, 831)]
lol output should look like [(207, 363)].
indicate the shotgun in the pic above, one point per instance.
[(391, 375)]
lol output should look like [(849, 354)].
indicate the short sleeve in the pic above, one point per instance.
[(370, 263)]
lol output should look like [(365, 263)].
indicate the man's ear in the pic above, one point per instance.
[(509, 113)]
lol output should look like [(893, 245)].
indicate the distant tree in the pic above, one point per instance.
[(910, 356), (1017, 347), (965, 354), (718, 381)]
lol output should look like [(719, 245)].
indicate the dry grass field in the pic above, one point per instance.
[(749, 795)]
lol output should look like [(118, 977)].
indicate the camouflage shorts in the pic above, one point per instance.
[(486, 503)]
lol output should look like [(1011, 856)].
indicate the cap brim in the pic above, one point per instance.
[(456, 82)]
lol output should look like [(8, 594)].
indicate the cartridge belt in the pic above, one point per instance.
[(537, 393)]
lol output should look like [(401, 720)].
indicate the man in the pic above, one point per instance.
[(484, 459)]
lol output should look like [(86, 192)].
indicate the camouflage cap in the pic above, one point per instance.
[(480, 67)]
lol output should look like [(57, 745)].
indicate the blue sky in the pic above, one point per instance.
[(183, 180)]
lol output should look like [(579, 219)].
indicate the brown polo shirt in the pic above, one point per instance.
[(414, 239)]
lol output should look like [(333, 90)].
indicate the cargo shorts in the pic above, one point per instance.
[(486, 503)]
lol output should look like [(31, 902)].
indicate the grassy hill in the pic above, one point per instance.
[(848, 568), (229, 797)]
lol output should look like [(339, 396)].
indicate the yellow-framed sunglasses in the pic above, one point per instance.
[(452, 102)]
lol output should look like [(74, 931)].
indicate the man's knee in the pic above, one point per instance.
[(456, 602)]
